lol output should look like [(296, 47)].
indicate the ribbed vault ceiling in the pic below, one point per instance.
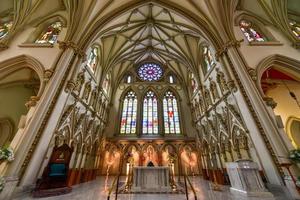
[(150, 32)]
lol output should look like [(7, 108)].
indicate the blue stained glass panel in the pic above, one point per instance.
[(150, 72)]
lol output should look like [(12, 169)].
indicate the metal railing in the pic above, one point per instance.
[(115, 185), (186, 182)]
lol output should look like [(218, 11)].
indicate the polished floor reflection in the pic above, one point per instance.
[(95, 191)]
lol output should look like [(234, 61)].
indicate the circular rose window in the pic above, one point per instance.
[(150, 72)]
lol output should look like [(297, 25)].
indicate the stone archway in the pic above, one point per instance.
[(21, 83), (293, 130)]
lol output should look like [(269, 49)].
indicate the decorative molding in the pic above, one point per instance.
[(48, 74), (36, 45), (32, 101), (69, 44), (70, 86), (223, 49), (255, 117), (252, 73), (270, 102)]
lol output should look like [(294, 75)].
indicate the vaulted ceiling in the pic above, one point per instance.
[(150, 32)]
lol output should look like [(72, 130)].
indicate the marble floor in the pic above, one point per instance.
[(95, 191)]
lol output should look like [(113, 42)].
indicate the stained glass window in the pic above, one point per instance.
[(295, 27), (50, 35), (150, 114), (5, 28), (150, 72), (129, 112), (93, 59), (208, 59), (250, 32), (171, 116)]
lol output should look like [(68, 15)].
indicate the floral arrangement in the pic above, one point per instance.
[(294, 155), (2, 183), (7, 154)]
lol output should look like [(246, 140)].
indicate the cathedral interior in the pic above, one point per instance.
[(149, 99)]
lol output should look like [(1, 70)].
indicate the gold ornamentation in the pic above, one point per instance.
[(232, 86), (270, 102), (48, 74), (70, 86), (252, 74), (32, 102)]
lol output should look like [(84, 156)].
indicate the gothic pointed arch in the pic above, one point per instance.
[(150, 124), (283, 63), (254, 29), (129, 107), (47, 30), (171, 113), (17, 63)]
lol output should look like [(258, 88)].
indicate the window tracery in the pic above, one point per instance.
[(150, 72), (150, 114), (129, 114), (171, 115), (50, 35), (250, 32)]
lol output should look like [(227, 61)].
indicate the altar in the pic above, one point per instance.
[(151, 179)]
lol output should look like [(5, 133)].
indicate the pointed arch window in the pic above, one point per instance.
[(5, 28), (250, 32), (171, 79), (295, 27), (50, 35), (150, 114), (208, 60), (129, 113), (171, 114), (129, 79), (93, 59)]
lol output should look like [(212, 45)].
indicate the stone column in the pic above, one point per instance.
[(264, 132), (44, 121)]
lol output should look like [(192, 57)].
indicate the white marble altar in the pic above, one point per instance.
[(151, 179), (245, 179)]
